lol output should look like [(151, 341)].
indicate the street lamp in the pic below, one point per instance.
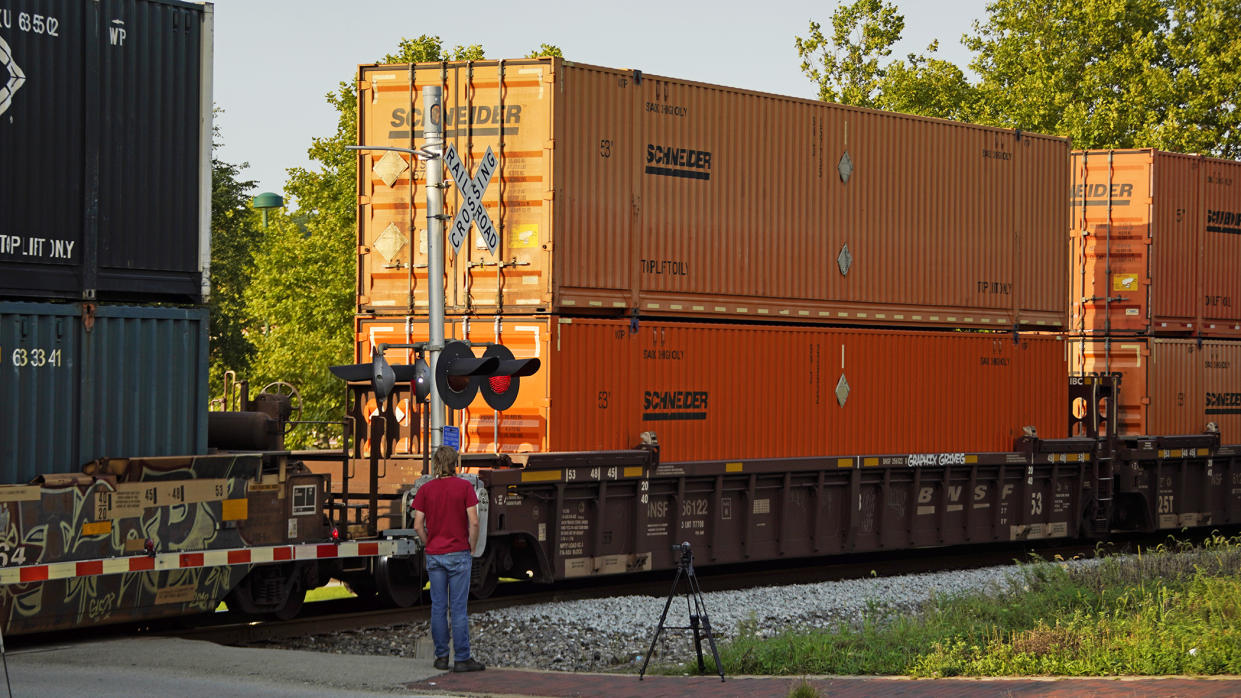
[(265, 201), (432, 96)]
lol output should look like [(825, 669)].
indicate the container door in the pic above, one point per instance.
[(511, 117), (1221, 249), (1176, 244)]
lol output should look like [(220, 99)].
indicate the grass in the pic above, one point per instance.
[(1172, 610)]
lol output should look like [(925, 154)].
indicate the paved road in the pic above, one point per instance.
[(193, 669)]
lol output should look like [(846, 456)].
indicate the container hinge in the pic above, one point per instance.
[(88, 316), (637, 77), (633, 321)]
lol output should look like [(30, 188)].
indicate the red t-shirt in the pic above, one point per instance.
[(443, 502)]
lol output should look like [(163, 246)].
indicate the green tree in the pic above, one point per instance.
[(234, 237), (848, 66), (301, 319), (1105, 73), (546, 50)]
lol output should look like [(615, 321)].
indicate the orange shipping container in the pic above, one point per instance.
[(618, 192), (724, 392), (1157, 244), (1169, 386)]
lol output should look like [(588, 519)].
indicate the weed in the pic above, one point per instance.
[(804, 690), (1171, 609)]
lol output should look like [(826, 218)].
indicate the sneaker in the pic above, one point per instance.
[(441, 663), (470, 664)]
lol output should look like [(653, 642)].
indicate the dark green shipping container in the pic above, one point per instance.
[(80, 382)]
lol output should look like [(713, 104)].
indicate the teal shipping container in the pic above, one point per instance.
[(80, 381)]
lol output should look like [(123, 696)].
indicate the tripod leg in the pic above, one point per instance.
[(706, 626), (660, 627), (694, 625)]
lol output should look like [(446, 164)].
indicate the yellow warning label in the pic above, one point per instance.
[(236, 509), (733, 467), (1125, 282), (540, 476), (633, 471), (97, 528), (524, 236)]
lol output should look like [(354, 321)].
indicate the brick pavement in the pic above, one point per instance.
[(554, 684)]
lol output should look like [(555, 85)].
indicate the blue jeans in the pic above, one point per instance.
[(450, 589)]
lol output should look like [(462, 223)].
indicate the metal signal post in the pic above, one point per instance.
[(433, 134)]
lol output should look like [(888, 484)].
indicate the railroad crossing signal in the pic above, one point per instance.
[(500, 388), (459, 375), (472, 189)]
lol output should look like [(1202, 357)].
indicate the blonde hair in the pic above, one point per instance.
[(444, 461)]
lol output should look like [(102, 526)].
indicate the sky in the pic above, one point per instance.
[(276, 59)]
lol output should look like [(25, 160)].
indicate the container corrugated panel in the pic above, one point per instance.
[(118, 381), (1221, 248), (1168, 227), (1169, 386), (619, 192), (104, 113), (716, 391)]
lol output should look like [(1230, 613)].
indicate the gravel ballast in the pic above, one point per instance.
[(615, 633)]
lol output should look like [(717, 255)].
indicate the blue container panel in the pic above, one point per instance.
[(133, 384)]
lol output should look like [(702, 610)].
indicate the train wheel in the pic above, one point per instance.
[(362, 587), (483, 577), (399, 581), (294, 602)]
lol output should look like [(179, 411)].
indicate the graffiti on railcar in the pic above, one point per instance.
[(179, 506)]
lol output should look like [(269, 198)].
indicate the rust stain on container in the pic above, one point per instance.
[(618, 192), (1168, 385), (713, 391), (1156, 244)]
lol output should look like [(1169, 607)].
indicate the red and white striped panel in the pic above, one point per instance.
[(206, 558)]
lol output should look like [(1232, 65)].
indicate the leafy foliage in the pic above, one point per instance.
[(235, 234), (1105, 73), (546, 50), (847, 67), (301, 326)]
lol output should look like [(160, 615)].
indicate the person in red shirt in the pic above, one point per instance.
[(446, 521)]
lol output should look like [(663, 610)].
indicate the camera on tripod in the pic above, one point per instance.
[(699, 624)]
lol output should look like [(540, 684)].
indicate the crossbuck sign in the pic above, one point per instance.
[(472, 189)]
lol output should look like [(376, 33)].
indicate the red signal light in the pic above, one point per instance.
[(500, 384)]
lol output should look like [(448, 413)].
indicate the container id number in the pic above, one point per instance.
[(37, 357)]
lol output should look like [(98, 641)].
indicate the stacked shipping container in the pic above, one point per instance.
[(737, 234), (1156, 249), (105, 208), (619, 193)]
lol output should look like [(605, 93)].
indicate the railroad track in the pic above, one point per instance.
[(358, 614), (346, 614)]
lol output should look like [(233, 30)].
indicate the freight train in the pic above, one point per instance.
[(773, 327)]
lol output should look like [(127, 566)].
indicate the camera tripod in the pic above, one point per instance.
[(698, 620)]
